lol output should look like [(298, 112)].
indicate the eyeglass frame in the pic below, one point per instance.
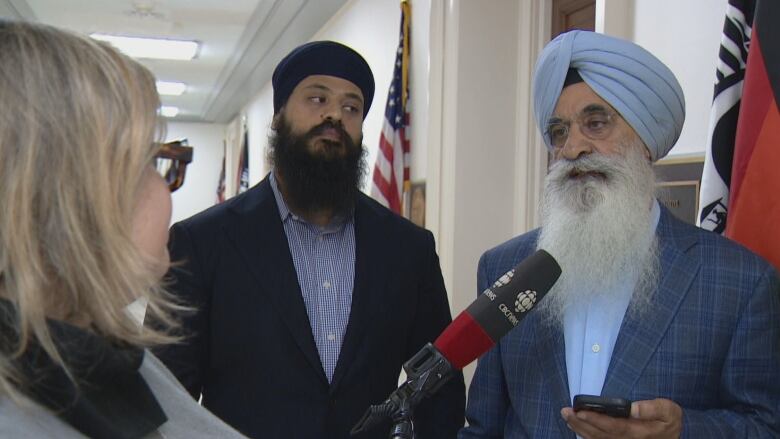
[(180, 156), (592, 110)]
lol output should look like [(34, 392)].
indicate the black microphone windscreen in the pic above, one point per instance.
[(501, 307)]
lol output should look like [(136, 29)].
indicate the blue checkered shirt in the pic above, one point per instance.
[(324, 259)]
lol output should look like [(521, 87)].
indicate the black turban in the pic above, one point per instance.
[(322, 58)]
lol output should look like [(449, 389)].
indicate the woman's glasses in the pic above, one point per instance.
[(172, 161)]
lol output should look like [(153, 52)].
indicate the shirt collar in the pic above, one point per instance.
[(284, 211)]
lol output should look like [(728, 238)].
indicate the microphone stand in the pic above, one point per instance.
[(426, 372)]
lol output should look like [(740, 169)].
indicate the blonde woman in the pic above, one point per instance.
[(83, 228)]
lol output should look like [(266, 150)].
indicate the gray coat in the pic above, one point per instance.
[(186, 418)]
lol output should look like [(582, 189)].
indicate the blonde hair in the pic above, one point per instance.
[(77, 134)]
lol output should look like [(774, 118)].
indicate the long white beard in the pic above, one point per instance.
[(598, 228)]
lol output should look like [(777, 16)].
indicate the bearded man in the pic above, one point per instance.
[(677, 319), (308, 295)]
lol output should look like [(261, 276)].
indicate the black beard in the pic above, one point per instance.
[(317, 181)]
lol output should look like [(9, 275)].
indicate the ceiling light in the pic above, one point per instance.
[(167, 88), (167, 111), (157, 48)]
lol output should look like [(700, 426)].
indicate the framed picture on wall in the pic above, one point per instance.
[(679, 179), (414, 208)]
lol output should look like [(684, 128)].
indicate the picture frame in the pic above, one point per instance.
[(678, 182), (414, 203)]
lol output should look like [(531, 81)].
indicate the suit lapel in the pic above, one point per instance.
[(551, 352), (370, 275), (260, 239), (640, 337)]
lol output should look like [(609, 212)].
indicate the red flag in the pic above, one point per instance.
[(754, 200), (391, 171), (242, 177), (221, 183)]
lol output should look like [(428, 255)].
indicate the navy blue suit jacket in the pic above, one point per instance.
[(251, 353), (711, 343)]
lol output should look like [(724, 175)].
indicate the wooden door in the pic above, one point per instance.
[(573, 14)]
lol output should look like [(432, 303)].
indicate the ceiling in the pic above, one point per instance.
[(241, 40)]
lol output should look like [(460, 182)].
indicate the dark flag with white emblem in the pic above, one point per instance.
[(730, 74), (391, 171), (752, 213)]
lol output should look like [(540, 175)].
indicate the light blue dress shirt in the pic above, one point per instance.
[(590, 333), (324, 259)]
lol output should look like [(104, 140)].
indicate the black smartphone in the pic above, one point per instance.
[(615, 407)]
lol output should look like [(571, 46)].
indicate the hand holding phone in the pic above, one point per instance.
[(615, 407)]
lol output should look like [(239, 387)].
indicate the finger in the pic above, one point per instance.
[(652, 410), (581, 423), (604, 422)]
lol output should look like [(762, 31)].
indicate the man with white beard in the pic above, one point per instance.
[(682, 322)]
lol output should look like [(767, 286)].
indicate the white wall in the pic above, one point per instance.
[(200, 185), (259, 113), (370, 27), (685, 35)]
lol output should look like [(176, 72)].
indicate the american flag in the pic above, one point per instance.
[(391, 171)]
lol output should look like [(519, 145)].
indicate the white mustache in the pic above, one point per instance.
[(610, 166)]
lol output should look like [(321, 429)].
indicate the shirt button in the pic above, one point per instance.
[(326, 284), (331, 337), (319, 239), (595, 348)]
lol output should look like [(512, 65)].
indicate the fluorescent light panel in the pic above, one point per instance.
[(156, 48), (168, 88), (168, 111)]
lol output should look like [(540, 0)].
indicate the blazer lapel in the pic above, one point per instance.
[(549, 347), (551, 352), (260, 239), (370, 275), (640, 337)]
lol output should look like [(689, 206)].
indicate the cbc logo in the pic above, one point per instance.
[(525, 301)]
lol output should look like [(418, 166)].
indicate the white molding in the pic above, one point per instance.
[(530, 152), (434, 108), (615, 18), (445, 146)]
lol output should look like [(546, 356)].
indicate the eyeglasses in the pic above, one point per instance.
[(594, 124), (172, 161)]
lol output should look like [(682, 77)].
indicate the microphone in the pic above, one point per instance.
[(477, 329)]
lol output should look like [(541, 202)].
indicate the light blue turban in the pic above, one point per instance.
[(637, 84)]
